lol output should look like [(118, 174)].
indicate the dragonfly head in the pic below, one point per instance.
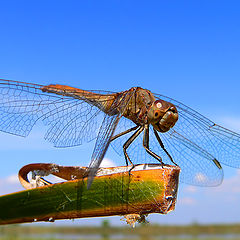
[(162, 115)]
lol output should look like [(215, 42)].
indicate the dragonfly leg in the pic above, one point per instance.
[(162, 146), (123, 133), (128, 143), (146, 144)]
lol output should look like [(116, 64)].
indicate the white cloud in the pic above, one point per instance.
[(200, 177), (12, 179), (228, 192), (186, 201), (107, 163), (190, 189), (10, 184)]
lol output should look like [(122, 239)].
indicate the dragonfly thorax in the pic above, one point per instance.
[(139, 105), (143, 109)]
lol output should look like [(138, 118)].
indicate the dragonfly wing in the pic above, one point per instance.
[(198, 167), (103, 140), (106, 132), (70, 121), (135, 151), (220, 142)]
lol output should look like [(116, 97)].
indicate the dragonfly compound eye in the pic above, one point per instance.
[(156, 111)]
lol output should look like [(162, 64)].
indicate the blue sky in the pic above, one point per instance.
[(188, 50)]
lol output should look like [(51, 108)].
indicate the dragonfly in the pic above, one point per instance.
[(140, 125)]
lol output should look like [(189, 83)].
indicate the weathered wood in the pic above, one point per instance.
[(147, 189)]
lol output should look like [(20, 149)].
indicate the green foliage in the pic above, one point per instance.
[(73, 196)]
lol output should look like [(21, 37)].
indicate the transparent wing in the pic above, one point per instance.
[(135, 150), (103, 140), (106, 132), (70, 121), (197, 165), (218, 141)]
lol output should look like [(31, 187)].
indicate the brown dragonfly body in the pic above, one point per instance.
[(137, 123), (142, 107)]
